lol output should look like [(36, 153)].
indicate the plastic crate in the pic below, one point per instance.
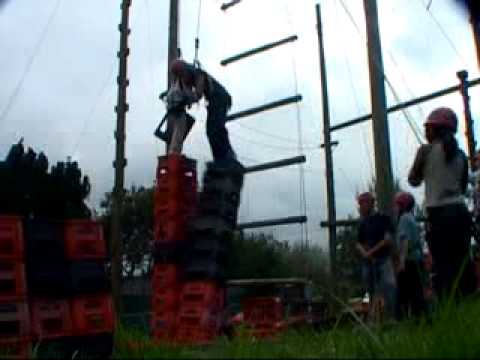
[(16, 349), (99, 346), (262, 310), (51, 318), (163, 325), (172, 230), (204, 269), (84, 240), (186, 335), (165, 299), (13, 283), (44, 240), (175, 164), (92, 314), (166, 276), (12, 244), (203, 294), (65, 279), (14, 320), (201, 317)]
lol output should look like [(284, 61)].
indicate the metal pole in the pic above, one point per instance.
[(120, 161), (269, 106), (332, 230), (474, 21), (381, 136), (463, 77)]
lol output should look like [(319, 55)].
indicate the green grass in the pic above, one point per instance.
[(453, 333)]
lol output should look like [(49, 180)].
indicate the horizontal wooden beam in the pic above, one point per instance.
[(225, 6), (276, 164), (405, 104), (258, 50), (354, 222), (282, 221), (269, 106)]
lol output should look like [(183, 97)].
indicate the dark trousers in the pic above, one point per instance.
[(448, 237), (410, 300), (217, 133)]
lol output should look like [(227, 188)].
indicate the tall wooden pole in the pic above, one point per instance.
[(474, 21), (173, 52), (332, 230), (120, 161), (173, 48), (471, 144), (381, 136)]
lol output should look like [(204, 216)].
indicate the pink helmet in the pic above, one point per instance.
[(443, 117), (404, 200), (177, 67), (366, 196)]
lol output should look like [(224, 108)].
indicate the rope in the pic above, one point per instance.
[(301, 168), (387, 80), (19, 86), (196, 62)]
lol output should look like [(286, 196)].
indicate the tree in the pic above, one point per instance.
[(137, 229)]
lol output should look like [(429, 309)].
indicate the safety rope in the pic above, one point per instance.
[(196, 62)]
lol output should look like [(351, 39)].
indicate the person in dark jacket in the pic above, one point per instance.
[(443, 167), (203, 85)]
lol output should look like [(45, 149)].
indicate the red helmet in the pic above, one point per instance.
[(404, 200), (177, 67), (366, 196), (443, 117)]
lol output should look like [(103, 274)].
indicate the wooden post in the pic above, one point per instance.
[(463, 77), (332, 229), (120, 161), (381, 137), (474, 21), (173, 36)]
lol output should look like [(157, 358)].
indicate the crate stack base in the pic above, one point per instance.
[(264, 316), (174, 207), (15, 329), (69, 294), (202, 302)]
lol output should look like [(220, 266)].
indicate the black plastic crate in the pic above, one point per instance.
[(44, 240), (204, 269), (66, 278)]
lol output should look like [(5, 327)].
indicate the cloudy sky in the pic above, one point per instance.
[(58, 66)]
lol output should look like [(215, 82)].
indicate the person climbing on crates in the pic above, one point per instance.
[(179, 122), (443, 166), (203, 85), (375, 245), (409, 265)]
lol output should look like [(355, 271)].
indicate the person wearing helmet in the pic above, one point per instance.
[(409, 266), (443, 167), (203, 85), (375, 244)]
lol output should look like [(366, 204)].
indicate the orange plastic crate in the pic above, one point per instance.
[(16, 349), (14, 320), (166, 276), (51, 319), (92, 314), (84, 240), (12, 245), (175, 164), (202, 293), (171, 230), (163, 325), (199, 317), (13, 284), (262, 310), (165, 299)]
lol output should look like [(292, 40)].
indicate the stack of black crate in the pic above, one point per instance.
[(69, 296)]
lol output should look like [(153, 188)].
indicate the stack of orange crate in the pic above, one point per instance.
[(264, 316), (15, 332), (174, 209), (79, 312)]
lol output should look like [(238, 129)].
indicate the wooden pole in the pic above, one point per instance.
[(381, 137), (463, 77), (120, 161), (332, 230), (173, 50)]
